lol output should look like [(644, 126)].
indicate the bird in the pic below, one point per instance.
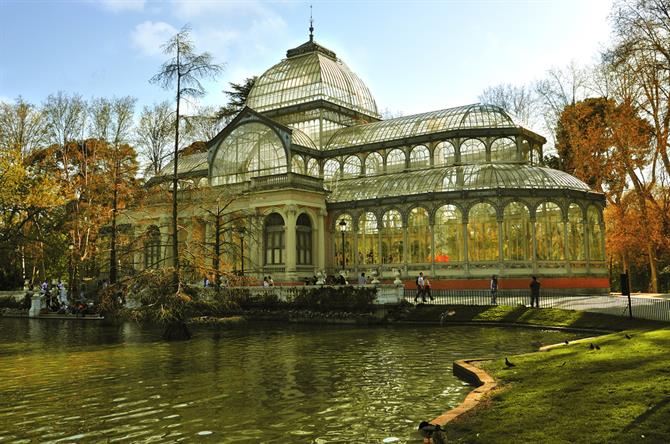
[(509, 364), (562, 364), (597, 347), (566, 342), (592, 347), (628, 336)]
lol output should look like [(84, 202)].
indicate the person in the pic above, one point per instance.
[(266, 283), (362, 280), (494, 290), (426, 287), (206, 282), (535, 292), (341, 280), (62, 292), (271, 283), (419, 288)]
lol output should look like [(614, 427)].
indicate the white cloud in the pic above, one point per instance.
[(123, 5), (148, 37)]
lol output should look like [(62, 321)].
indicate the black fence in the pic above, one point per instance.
[(655, 309)]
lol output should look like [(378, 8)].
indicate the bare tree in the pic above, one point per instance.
[(22, 127), (520, 101), (183, 70), (154, 135), (65, 117), (203, 126)]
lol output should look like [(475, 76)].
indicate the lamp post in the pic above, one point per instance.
[(241, 231), (70, 273), (343, 227)]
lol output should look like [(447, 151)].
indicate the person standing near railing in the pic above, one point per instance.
[(535, 292), (494, 290)]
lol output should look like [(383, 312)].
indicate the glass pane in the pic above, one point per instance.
[(374, 164), (418, 232), (576, 233), (352, 166), (473, 151), (596, 241), (395, 161), (549, 232), (419, 158), (517, 233), (448, 234), (503, 150), (368, 239), (348, 238), (392, 238), (482, 233)]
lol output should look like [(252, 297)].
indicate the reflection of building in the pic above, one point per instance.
[(457, 193)]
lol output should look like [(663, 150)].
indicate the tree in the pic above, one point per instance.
[(183, 70), (154, 135), (22, 127), (516, 100), (203, 126), (237, 99)]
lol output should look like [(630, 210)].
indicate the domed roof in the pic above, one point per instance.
[(311, 72), (454, 178)]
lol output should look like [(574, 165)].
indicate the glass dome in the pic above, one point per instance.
[(462, 117), (309, 73), (456, 178)]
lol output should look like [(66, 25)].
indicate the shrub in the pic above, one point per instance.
[(10, 302)]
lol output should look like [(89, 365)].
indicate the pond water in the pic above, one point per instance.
[(64, 381)]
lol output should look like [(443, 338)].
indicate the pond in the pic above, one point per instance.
[(65, 381)]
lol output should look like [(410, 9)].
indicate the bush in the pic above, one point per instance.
[(349, 299), (10, 302)]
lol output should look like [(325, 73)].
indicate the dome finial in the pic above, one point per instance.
[(311, 25)]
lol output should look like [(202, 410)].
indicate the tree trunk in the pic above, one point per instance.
[(217, 251), (175, 234), (653, 281)]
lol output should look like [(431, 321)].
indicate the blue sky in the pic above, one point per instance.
[(414, 56)]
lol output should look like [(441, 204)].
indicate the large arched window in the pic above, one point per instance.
[(448, 234), (575, 233), (517, 233), (419, 158), (303, 240), (374, 164), (331, 169), (348, 230), (482, 233), (313, 168), (503, 150), (445, 154), (251, 149), (395, 161), (596, 241), (473, 151), (152, 247), (392, 237), (368, 239), (418, 233), (274, 239), (549, 232), (352, 166), (297, 164)]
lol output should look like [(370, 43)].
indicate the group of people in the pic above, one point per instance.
[(268, 282), (422, 288), (55, 298)]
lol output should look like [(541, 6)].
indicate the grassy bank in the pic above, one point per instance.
[(618, 394), (525, 315)]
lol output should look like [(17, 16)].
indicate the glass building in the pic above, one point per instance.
[(322, 183)]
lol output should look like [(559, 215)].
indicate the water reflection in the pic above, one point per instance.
[(69, 381)]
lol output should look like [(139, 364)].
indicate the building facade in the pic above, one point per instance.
[(309, 178)]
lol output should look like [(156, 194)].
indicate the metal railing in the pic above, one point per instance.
[(655, 309)]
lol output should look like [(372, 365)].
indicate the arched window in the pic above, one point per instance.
[(517, 233), (374, 164), (596, 241), (303, 240), (482, 233), (419, 158), (392, 237), (251, 149), (352, 166), (331, 169), (418, 232), (549, 232), (395, 161), (274, 239), (368, 239), (348, 238), (575, 233), (503, 150), (313, 168), (473, 151), (297, 164), (448, 234), (152, 247), (445, 154)]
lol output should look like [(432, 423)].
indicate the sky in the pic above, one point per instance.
[(414, 56)]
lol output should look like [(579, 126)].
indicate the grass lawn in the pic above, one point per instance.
[(525, 315), (571, 394)]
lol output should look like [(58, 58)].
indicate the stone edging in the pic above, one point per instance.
[(464, 370)]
